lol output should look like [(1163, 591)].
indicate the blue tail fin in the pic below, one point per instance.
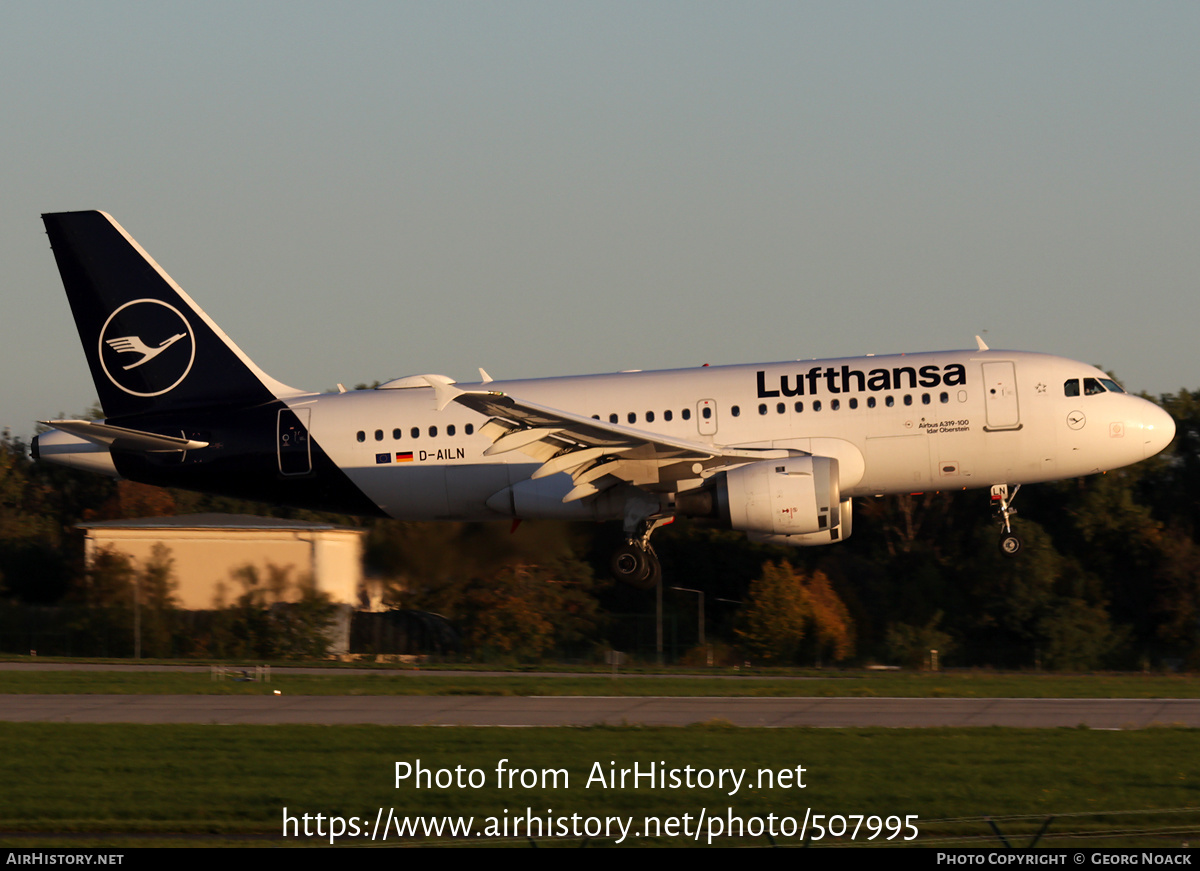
[(150, 348)]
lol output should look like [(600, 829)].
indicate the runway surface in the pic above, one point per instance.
[(592, 710), (389, 672)]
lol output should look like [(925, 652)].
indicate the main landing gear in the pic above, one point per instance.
[(637, 566), (635, 562), (1010, 544)]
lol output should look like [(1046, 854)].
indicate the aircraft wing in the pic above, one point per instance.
[(596, 454)]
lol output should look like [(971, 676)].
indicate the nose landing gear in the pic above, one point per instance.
[(1010, 543)]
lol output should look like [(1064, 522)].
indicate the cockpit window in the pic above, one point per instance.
[(1091, 387), (1071, 387), (1113, 386)]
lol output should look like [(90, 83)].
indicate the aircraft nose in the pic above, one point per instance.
[(1158, 428)]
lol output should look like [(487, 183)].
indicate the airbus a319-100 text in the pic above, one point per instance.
[(777, 450)]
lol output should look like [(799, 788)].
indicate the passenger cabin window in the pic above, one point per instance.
[(362, 436), (470, 428), (853, 403), (667, 415), (649, 417), (799, 406), (816, 406), (735, 410), (433, 432), (414, 432), (870, 402), (612, 418), (686, 414), (378, 435), (1071, 387), (835, 404), (631, 417), (707, 412), (450, 430)]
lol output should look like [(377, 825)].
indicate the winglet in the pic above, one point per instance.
[(982, 345), (487, 379), (444, 391)]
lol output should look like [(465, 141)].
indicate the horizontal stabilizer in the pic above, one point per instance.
[(123, 439)]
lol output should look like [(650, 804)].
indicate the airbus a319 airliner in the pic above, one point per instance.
[(777, 450)]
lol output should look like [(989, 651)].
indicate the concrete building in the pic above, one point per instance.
[(211, 552)]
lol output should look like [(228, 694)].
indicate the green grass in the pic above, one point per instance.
[(127, 786), (192, 784), (849, 683)]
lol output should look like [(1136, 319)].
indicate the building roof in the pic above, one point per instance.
[(215, 521)]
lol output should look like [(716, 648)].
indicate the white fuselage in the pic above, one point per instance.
[(897, 424)]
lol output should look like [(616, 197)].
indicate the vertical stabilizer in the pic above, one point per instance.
[(150, 348)]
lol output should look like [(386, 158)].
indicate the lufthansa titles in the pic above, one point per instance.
[(847, 380)]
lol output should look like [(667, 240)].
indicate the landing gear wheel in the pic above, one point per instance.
[(1010, 545), (654, 576), (628, 563), (636, 567)]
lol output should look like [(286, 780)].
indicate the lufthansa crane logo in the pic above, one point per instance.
[(147, 347)]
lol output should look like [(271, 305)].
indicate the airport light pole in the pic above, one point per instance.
[(137, 615), (700, 619), (658, 632)]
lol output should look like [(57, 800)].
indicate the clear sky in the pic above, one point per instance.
[(359, 191)]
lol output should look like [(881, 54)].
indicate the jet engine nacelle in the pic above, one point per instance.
[(794, 496), (812, 539)]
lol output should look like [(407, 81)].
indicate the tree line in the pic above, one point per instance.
[(1109, 576)]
